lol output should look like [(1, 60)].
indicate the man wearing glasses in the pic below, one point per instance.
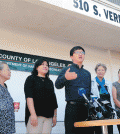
[(73, 78)]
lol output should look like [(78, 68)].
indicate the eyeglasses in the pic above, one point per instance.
[(77, 52)]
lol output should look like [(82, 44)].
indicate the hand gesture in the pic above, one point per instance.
[(54, 121), (33, 120), (70, 75)]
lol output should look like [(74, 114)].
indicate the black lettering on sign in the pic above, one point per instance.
[(95, 10), (81, 5), (112, 16), (75, 4), (86, 6)]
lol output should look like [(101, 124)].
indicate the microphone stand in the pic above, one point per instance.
[(93, 114), (102, 108)]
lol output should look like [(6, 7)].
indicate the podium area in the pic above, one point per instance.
[(102, 123)]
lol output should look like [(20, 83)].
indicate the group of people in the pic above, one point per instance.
[(41, 102)]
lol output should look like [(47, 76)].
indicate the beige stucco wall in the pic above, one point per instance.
[(44, 46), (115, 64)]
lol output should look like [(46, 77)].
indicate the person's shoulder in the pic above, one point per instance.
[(86, 71), (93, 82), (30, 77), (93, 79), (48, 79), (65, 68), (30, 80), (114, 83), (108, 83)]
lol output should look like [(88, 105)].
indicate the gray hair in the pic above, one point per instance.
[(100, 64), (1, 64)]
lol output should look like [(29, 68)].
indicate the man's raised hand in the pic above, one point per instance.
[(70, 75)]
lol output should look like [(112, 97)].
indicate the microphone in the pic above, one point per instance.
[(112, 108), (95, 99), (99, 115), (92, 111), (85, 98), (82, 92), (107, 104), (102, 108)]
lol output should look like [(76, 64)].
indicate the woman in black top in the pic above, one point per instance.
[(41, 103)]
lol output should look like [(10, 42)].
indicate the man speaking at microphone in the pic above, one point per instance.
[(73, 78)]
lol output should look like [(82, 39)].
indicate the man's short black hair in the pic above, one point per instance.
[(74, 49)]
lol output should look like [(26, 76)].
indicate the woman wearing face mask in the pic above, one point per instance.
[(102, 89), (7, 117), (41, 103)]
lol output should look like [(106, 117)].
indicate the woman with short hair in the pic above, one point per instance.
[(102, 89), (7, 117)]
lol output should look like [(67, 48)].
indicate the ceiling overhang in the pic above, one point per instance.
[(58, 24)]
